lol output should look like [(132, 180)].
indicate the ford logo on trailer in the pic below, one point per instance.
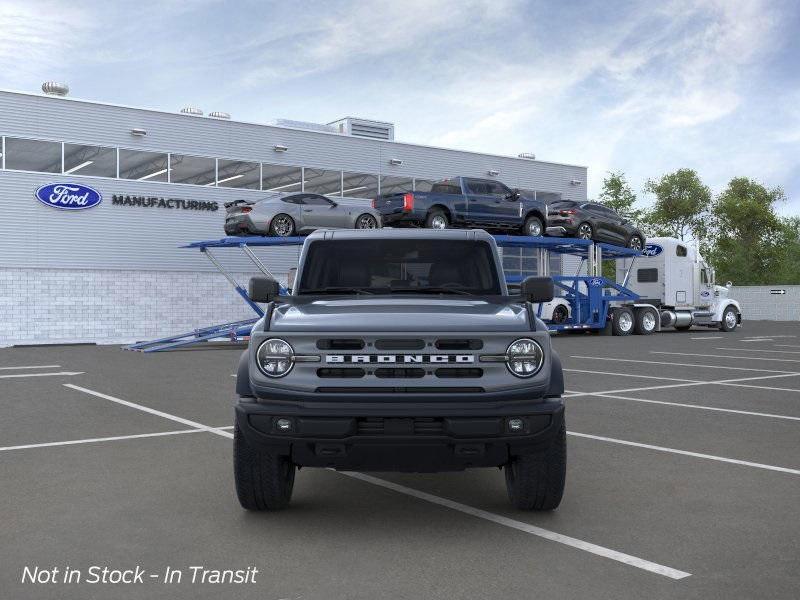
[(595, 282), (652, 250), (68, 196)]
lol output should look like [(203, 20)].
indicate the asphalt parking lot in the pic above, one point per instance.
[(683, 482)]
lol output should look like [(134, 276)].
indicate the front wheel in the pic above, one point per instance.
[(264, 481), (533, 227), (729, 320), (366, 221), (536, 481)]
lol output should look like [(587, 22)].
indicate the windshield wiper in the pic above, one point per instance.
[(432, 290), (338, 290)]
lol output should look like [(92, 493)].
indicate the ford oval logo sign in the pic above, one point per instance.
[(652, 250), (68, 196), (595, 282)]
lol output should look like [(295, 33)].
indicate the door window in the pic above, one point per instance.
[(478, 187)]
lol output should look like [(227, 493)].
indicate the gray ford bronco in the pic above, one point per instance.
[(400, 350)]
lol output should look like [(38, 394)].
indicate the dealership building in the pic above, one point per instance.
[(115, 272)]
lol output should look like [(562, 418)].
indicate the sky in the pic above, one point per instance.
[(639, 87)]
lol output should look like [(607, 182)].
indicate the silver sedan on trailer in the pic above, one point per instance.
[(283, 215)]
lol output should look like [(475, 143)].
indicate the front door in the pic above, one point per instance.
[(705, 291), (319, 211)]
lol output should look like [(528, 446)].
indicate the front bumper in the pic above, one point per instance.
[(402, 436)]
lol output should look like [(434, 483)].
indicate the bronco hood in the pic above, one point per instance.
[(399, 314)]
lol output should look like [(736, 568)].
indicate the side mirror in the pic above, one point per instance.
[(729, 284), (514, 195), (537, 289), (263, 289), (334, 204)]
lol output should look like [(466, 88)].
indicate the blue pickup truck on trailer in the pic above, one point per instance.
[(466, 202)]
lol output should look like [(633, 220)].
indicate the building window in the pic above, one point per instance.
[(359, 185), (320, 181), (196, 170), (90, 160), (238, 174), (396, 185), (279, 178), (423, 185), (33, 155), (143, 166)]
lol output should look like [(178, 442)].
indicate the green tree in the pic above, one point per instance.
[(618, 195), (681, 206), (751, 244)]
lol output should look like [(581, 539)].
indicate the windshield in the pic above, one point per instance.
[(376, 266)]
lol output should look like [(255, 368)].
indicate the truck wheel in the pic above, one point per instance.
[(622, 321), (264, 481), (536, 481), (729, 320), (437, 219), (533, 227), (645, 323)]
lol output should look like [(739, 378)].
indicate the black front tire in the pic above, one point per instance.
[(264, 481), (730, 320), (536, 481)]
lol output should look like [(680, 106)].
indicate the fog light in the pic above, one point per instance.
[(516, 424), (283, 424)]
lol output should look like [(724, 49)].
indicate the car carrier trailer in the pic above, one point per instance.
[(593, 302)]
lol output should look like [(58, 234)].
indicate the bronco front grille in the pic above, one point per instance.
[(399, 390)]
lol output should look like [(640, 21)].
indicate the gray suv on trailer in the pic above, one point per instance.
[(400, 350)]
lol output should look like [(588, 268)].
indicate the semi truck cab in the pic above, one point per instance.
[(672, 276)]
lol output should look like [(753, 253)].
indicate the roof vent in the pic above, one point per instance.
[(53, 88), (219, 115), (192, 110), (527, 155), (376, 130)]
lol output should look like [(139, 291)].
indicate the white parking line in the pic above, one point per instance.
[(674, 364), (30, 367), (760, 350), (697, 406), (62, 373), (107, 439), (794, 360), (633, 375), (686, 453), (103, 439), (787, 346), (152, 411), (707, 337), (689, 383), (566, 540), (757, 340)]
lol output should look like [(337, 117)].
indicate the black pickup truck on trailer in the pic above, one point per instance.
[(465, 202)]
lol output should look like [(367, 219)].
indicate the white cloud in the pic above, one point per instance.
[(34, 37)]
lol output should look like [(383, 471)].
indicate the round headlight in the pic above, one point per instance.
[(524, 357), (275, 357)]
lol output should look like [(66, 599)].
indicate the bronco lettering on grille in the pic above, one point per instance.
[(400, 358)]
